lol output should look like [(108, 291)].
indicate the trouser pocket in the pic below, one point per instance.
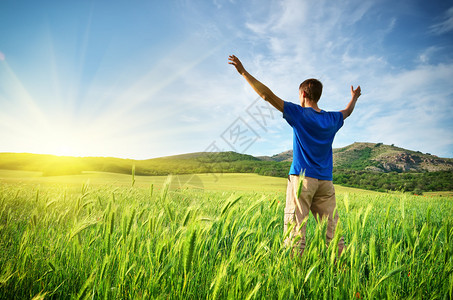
[(289, 219)]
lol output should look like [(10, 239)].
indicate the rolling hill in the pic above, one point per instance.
[(363, 165), (379, 158)]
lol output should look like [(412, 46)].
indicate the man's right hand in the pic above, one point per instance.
[(355, 93), (233, 60)]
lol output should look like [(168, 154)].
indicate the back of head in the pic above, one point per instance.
[(312, 88)]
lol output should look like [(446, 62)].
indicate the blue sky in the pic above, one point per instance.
[(143, 79)]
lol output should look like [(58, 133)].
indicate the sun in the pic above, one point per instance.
[(57, 137), (54, 107), (61, 139), (51, 126)]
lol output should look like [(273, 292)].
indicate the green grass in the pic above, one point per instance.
[(215, 181), (167, 238)]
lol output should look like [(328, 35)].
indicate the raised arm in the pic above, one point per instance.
[(260, 88), (355, 94)]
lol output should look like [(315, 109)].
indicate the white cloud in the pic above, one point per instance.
[(406, 106), (293, 13), (444, 26), (427, 54), (410, 108)]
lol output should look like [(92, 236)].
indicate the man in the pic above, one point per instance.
[(313, 132)]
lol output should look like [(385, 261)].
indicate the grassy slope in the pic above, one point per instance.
[(357, 156), (217, 181), (178, 164), (349, 163)]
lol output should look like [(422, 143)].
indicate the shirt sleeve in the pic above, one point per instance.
[(289, 112), (339, 121)]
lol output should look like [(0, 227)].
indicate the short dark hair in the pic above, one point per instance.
[(312, 88)]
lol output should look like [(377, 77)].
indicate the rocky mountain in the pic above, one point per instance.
[(379, 158), (284, 156)]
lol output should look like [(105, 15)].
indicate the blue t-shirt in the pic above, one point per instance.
[(313, 134)]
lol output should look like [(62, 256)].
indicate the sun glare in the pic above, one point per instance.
[(64, 140), (58, 115)]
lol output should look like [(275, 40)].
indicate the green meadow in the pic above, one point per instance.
[(212, 236)]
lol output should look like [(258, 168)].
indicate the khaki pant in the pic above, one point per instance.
[(317, 196)]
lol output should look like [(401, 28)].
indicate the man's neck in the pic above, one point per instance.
[(307, 103)]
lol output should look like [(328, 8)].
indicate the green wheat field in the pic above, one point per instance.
[(213, 236)]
